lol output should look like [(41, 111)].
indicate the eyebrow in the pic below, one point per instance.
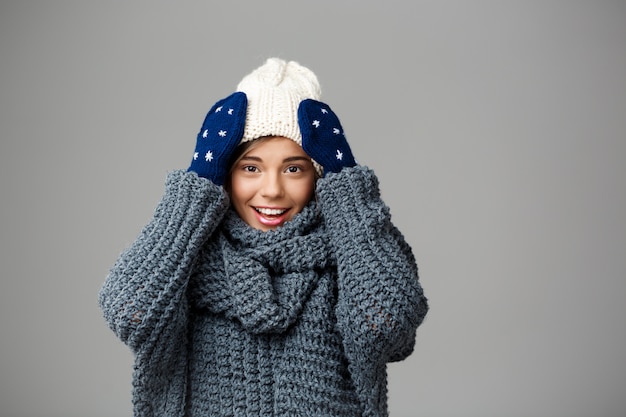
[(297, 158), (288, 159)]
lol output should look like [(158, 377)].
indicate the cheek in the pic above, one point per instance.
[(303, 193), (240, 190)]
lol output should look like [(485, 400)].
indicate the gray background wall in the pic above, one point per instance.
[(497, 129)]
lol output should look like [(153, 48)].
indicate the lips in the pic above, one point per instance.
[(270, 216)]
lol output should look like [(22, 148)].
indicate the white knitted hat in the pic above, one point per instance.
[(274, 92)]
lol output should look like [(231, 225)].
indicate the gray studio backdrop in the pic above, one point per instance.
[(497, 129)]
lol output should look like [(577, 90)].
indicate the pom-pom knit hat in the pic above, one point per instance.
[(274, 92)]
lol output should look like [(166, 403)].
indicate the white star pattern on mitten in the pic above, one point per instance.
[(218, 137), (323, 137)]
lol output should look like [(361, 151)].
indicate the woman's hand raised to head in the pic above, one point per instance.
[(220, 134), (323, 138)]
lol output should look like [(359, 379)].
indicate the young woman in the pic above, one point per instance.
[(270, 281)]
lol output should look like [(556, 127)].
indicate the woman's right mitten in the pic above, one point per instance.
[(220, 134)]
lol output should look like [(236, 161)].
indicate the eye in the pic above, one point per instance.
[(249, 168), (293, 169)]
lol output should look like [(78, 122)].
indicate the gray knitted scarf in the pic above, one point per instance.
[(262, 279)]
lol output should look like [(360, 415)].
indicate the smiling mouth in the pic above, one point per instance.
[(270, 211)]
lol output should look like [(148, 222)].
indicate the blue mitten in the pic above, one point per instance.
[(220, 134), (322, 136)]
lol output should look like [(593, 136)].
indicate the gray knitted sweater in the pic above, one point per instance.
[(226, 320)]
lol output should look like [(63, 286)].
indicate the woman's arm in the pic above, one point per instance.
[(381, 302), (143, 297)]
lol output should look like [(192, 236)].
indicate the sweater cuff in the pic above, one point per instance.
[(350, 200), (188, 188), (191, 205)]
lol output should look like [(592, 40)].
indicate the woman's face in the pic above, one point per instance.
[(271, 183)]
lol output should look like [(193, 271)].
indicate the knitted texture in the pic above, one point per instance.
[(219, 135), (274, 91), (323, 138), (227, 320)]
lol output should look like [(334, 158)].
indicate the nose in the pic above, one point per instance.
[(272, 186)]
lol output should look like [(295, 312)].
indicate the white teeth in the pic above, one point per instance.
[(270, 212)]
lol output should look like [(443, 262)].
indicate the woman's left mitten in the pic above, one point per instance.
[(322, 136), (220, 134)]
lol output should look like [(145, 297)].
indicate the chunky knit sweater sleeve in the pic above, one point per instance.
[(143, 297), (380, 300)]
